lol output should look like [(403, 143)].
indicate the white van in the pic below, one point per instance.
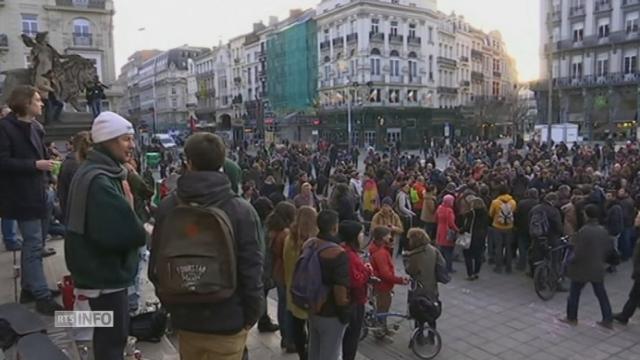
[(166, 141)]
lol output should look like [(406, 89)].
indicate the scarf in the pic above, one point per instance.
[(97, 163)]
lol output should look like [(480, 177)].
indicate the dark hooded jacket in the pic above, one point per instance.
[(244, 307)]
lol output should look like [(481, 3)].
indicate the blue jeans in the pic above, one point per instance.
[(96, 107), (46, 222), (9, 233), (447, 253), (574, 300), (625, 244), (283, 320), (32, 271), (134, 291)]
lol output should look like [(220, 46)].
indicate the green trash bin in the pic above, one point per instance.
[(153, 159)]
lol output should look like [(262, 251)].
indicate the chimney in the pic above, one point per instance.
[(273, 20), (294, 13), (258, 26)]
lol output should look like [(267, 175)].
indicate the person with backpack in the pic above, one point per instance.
[(304, 228), (278, 223), (351, 234), (521, 225), (590, 248), (501, 232), (103, 231), (320, 285), (545, 228), (422, 259), (383, 268), (204, 224)]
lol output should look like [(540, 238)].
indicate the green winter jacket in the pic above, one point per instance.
[(106, 256)]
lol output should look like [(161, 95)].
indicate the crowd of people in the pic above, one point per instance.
[(236, 225)]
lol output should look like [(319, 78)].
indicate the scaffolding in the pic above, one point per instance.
[(292, 68)]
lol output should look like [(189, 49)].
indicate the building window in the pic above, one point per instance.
[(412, 96), (327, 72), (394, 96), (374, 95), (412, 31), (375, 26), (496, 88), (394, 28), (249, 77), (576, 70), (354, 26), (29, 24), (326, 35), (395, 67), (578, 34), (375, 66), (354, 67), (630, 64), (430, 67), (430, 34), (603, 30), (339, 30), (413, 70), (602, 67), (631, 23)]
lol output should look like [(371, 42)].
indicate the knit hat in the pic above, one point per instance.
[(387, 201), (108, 126), (349, 231)]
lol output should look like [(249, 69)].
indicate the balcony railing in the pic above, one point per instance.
[(4, 41), (446, 61), (476, 54), (351, 38), (81, 39), (262, 55), (86, 4), (396, 39), (590, 81), (629, 3), (339, 41), (602, 6), (447, 90), (464, 59), (395, 79), (497, 74), (415, 79), (555, 16), (465, 83), (477, 76), (577, 11), (376, 36), (414, 40), (325, 45)]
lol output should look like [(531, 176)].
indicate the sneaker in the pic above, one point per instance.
[(48, 252), (13, 247), (568, 321), (48, 307), (619, 318), (27, 297), (606, 324), (267, 327)]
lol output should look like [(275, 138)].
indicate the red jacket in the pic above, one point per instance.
[(383, 267), (446, 220), (359, 275)]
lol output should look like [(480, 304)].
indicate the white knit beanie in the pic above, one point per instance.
[(108, 126)]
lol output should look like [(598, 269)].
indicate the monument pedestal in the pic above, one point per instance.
[(70, 124)]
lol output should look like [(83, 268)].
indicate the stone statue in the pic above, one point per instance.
[(59, 78)]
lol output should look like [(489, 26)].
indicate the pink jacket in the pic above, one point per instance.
[(446, 220)]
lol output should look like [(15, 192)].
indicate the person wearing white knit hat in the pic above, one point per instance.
[(103, 231)]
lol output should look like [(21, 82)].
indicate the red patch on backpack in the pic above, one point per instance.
[(192, 230)]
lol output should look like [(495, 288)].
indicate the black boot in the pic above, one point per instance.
[(265, 325)]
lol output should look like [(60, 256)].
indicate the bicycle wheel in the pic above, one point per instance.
[(545, 282), (369, 322), (426, 343)]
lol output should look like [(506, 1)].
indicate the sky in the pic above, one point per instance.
[(163, 24)]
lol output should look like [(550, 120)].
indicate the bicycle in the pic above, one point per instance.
[(425, 341), (550, 271)]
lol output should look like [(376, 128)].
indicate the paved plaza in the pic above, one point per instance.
[(497, 317)]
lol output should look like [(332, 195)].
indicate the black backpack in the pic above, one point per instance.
[(150, 326)]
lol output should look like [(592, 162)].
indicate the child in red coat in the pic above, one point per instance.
[(382, 263)]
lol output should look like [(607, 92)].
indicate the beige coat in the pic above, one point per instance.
[(428, 214)]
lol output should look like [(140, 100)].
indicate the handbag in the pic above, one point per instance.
[(464, 240)]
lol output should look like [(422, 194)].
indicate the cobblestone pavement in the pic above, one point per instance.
[(496, 317)]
